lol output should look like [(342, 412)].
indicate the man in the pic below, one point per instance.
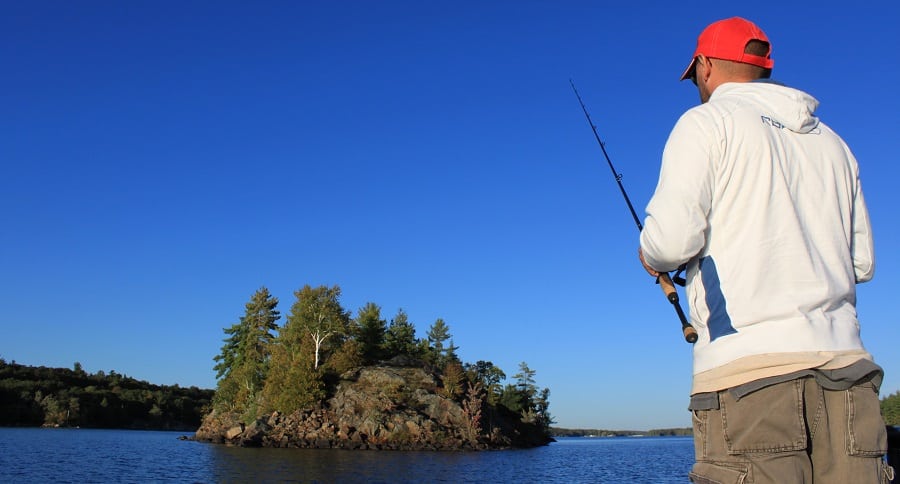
[(762, 203)]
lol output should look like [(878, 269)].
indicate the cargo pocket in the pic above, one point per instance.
[(707, 473), (767, 420), (867, 435), (700, 418)]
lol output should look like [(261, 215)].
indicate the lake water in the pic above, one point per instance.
[(82, 455)]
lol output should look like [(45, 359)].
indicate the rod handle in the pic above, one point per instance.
[(690, 334), (668, 288)]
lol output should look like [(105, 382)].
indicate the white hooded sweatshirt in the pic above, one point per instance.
[(763, 202)]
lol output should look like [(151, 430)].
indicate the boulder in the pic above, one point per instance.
[(253, 434), (233, 432)]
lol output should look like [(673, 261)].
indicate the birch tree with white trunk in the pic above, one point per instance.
[(319, 313)]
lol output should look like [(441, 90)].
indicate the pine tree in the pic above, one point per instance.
[(450, 355), (511, 398), (438, 333), (244, 360), (534, 402), (525, 381), (541, 408), (400, 338), (226, 359), (372, 332)]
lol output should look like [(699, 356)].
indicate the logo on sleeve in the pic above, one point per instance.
[(771, 122)]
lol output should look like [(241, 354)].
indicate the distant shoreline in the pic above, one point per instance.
[(671, 432)]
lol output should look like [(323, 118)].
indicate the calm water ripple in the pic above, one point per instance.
[(85, 456)]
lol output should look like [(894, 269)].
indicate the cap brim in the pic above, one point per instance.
[(689, 72)]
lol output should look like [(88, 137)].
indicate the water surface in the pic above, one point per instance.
[(81, 455)]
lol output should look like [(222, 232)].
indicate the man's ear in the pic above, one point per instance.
[(707, 66)]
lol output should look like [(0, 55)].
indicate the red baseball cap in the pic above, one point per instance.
[(726, 40)]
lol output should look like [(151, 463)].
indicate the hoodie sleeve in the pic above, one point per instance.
[(676, 222), (862, 246)]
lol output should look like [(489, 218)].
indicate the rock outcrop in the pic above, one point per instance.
[(380, 407)]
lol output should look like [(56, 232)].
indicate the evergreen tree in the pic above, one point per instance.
[(525, 382), (534, 402), (450, 355), (541, 408), (511, 398), (260, 321), (437, 334), (400, 338), (226, 359), (244, 360), (372, 331)]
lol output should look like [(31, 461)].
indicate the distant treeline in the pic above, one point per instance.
[(558, 432), (890, 409), (60, 397)]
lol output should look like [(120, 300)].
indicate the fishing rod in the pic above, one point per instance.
[(664, 281)]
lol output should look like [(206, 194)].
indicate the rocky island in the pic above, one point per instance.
[(383, 407), (329, 380)]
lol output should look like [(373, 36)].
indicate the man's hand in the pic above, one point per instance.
[(653, 272)]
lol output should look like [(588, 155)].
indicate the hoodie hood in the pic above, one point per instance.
[(793, 108)]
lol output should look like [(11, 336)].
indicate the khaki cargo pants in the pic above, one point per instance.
[(792, 432)]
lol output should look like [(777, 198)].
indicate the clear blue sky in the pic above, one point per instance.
[(161, 161)]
